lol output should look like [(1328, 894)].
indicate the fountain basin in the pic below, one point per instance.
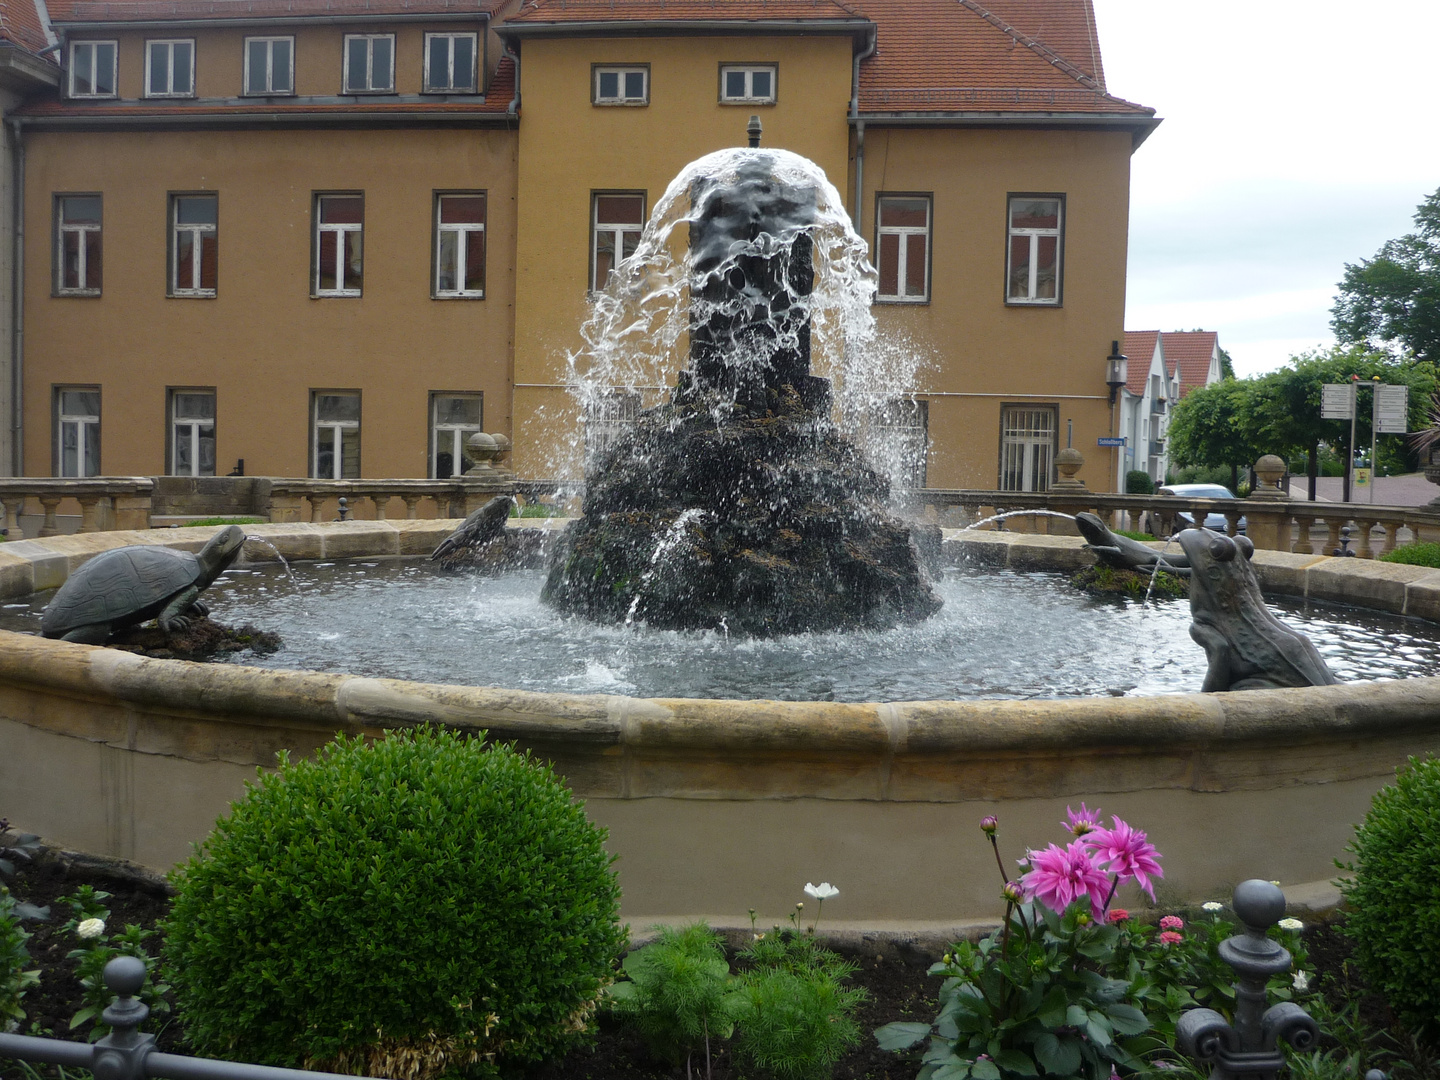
[(718, 806)]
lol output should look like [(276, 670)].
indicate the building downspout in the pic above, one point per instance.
[(17, 305), (514, 107), (858, 213)]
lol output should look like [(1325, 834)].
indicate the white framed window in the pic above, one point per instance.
[(454, 417), (460, 245), (450, 63), (92, 68), (335, 434), (902, 244), (194, 244), (1027, 446), (627, 85), (170, 68), (609, 419), (747, 84), (77, 431), (1033, 265), (616, 222), (902, 429), (369, 63), (192, 432), (77, 245), (339, 245), (270, 65)]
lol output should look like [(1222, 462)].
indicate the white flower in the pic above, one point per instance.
[(1291, 924), (1300, 981), (823, 891), (90, 928), (1212, 906)]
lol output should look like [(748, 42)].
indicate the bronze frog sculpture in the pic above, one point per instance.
[(1248, 647)]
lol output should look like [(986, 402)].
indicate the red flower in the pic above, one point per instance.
[(1169, 937), (1118, 914)]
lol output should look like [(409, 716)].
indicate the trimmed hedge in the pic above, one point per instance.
[(404, 907)]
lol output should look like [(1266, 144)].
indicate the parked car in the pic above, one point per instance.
[(1185, 520)]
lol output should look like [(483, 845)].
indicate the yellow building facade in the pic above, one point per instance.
[(336, 243)]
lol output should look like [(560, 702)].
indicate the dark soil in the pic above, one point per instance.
[(898, 987), (203, 639), (1102, 579)]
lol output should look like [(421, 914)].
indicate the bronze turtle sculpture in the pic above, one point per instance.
[(130, 585)]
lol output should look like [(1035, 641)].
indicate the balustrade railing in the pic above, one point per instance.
[(106, 502), (1277, 524)]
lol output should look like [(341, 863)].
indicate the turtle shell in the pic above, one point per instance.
[(120, 587)]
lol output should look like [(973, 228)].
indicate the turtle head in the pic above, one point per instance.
[(216, 556)]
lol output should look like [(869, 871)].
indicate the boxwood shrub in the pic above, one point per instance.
[(416, 905), (1394, 896)]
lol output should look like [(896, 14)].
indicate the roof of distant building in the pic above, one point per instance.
[(22, 24), (73, 12), (1190, 352), (1139, 347)]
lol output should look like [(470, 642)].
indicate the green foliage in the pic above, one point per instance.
[(798, 1017), (16, 977), (1395, 297), (1132, 583), (1202, 474), (1138, 482), (1133, 534), (223, 520), (1420, 553), (680, 993), (535, 510), (1208, 427), (96, 949), (18, 848), (406, 907), (1394, 896), (1029, 1000)]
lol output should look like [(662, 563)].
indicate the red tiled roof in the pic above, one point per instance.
[(565, 11), (1139, 347), (986, 56), (121, 11), (1190, 351), (20, 24)]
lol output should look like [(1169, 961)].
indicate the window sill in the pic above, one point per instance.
[(620, 104), (451, 91), (747, 101), (169, 97), (76, 294), (268, 94), (390, 91), (1033, 303), (902, 300), (348, 294), (194, 295), (457, 296), (93, 97)]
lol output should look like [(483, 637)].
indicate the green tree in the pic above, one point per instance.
[(1209, 428), (1395, 297)]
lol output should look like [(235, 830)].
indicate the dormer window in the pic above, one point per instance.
[(170, 68), (92, 69), (270, 65), (450, 63), (370, 63)]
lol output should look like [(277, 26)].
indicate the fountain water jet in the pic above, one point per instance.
[(770, 517)]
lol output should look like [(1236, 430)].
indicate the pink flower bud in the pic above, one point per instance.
[(988, 825)]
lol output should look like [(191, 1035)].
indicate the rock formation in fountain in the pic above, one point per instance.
[(739, 504)]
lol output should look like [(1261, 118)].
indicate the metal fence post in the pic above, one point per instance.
[(1249, 1048), (121, 1054)]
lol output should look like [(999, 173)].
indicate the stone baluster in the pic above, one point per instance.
[(14, 507), (1134, 514), (1362, 537), (1391, 529), (317, 506), (1332, 529), (381, 501), (411, 502), (1303, 544), (49, 527), (1232, 522), (89, 507)]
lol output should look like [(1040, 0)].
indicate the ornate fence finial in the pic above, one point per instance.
[(1248, 1047), (121, 1054)]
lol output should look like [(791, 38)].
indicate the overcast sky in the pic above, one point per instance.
[(1297, 136)]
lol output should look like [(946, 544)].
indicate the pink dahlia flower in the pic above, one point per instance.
[(1125, 852), (1086, 820), (1117, 915), (1170, 937), (1172, 922), (1059, 876)]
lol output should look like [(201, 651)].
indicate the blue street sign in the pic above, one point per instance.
[(1109, 440)]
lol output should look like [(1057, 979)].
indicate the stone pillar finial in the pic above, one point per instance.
[(1067, 464), (1268, 471)]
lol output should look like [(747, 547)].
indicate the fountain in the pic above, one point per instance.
[(740, 503)]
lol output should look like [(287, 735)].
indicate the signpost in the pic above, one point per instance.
[(1110, 440), (1390, 415)]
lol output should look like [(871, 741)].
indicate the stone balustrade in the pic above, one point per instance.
[(454, 498), (106, 502)]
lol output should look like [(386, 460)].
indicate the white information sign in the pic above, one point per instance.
[(1337, 401), (1392, 409)]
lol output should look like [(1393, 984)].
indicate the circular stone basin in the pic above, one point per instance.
[(1001, 634)]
